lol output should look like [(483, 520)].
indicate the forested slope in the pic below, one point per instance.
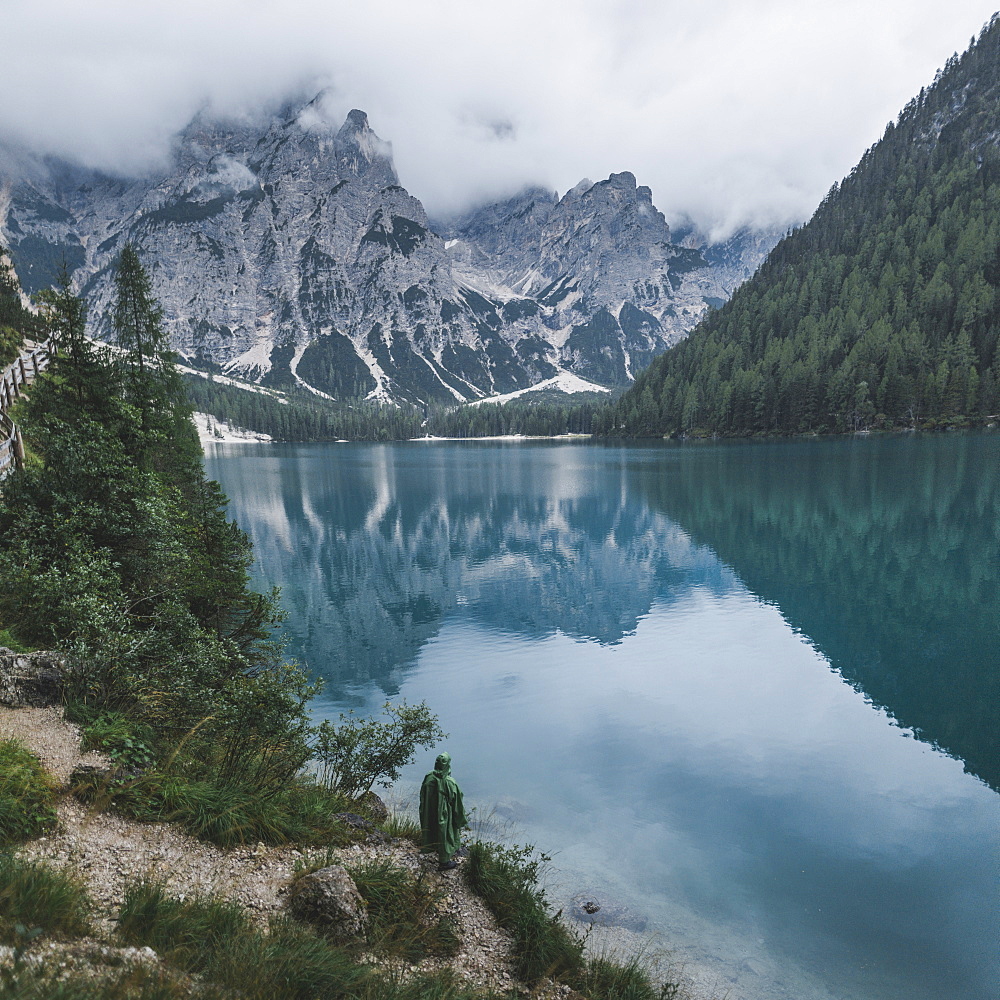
[(881, 311)]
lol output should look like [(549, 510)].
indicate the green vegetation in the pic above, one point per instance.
[(357, 753), (36, 899), (218, 941), (882, 312), (403, 910), (543, 417), (16, 322), (301, 416), (116, 550), (507, 880), (27, 794)]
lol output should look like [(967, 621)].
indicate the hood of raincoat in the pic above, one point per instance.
[(443, 764)]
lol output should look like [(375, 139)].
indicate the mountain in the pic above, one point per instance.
[(288, 253), (882, 311)]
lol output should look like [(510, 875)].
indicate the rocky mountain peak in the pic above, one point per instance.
[(357, 121), (286, 251)]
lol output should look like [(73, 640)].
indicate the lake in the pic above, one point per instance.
[(749, 691)]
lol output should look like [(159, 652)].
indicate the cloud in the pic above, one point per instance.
[(733, 112)]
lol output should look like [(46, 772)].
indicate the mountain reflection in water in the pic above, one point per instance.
[(883, 553)]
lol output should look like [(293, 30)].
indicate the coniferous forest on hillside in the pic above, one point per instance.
[(881, 312)]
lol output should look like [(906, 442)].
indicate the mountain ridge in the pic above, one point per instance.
[(289, 253)]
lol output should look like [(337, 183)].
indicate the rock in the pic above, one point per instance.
[(328, 898), (30, 680), (374, 806), (594, 283), (598, 908), (360, 825)]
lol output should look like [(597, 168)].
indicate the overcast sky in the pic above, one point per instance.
[(733, 111)]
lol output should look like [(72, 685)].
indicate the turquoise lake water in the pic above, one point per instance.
[(748, 690)]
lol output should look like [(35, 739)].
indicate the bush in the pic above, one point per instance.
[(357, 753), (27, 794), (128, 743), (9, 641), (35, 897)]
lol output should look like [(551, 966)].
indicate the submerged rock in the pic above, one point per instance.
[(328, 898), (599, 908)]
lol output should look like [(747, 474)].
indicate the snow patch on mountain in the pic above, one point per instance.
[(563, 382)]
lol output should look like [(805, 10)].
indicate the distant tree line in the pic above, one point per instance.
[(881, 312), (516, 417), (297, 418)]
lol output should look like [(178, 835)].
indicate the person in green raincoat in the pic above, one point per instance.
[(442, 812)]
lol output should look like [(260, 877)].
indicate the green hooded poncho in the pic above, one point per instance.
[(442, 812)]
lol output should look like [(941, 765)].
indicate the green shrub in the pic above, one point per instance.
[(127, 742), (404, 911), (507, 880), (11, 642), (27, 794), (36, 897), (357, 753)]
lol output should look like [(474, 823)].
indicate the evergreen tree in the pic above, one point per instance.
[(884, 310), (150, 380)]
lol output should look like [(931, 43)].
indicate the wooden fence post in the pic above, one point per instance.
[(18, 448), (24, 373)]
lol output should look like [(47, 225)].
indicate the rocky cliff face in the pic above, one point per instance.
[(289, 253)]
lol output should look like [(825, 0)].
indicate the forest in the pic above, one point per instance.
[(881, 312)]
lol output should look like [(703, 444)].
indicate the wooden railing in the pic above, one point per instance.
[(16, 376)]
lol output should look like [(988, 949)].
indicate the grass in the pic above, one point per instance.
[(404, 911), (134, 982), (35, 898), (216, 940), (507, 880), (27, 794), (609, 978), (403, 826), (9, 641), (229, 815)]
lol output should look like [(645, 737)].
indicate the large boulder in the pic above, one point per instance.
[(30, 680), (329, 899)]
